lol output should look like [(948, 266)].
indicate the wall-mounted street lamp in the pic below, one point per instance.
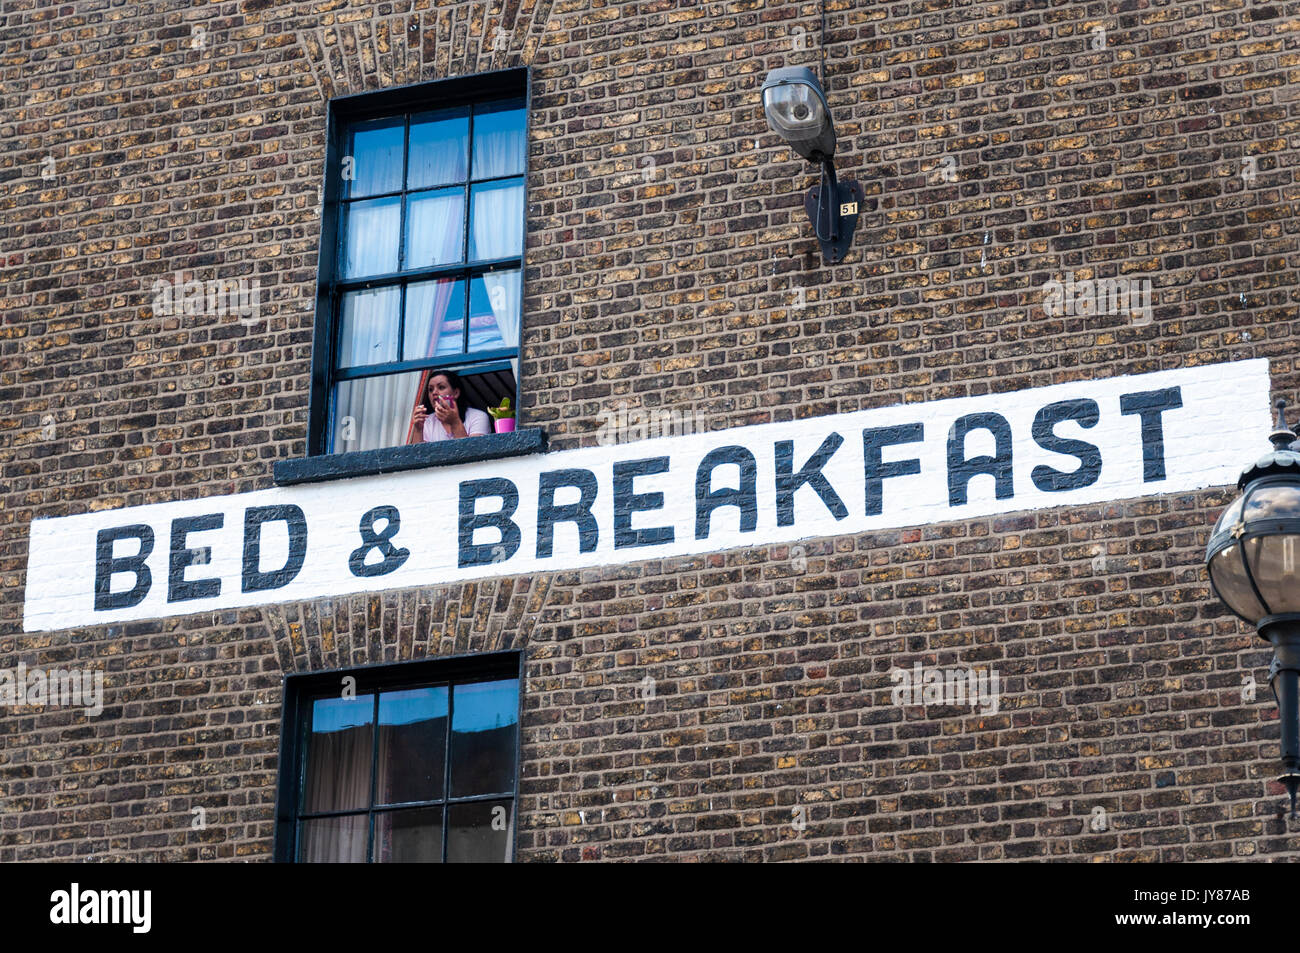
[(796, 110), (1254, 564)]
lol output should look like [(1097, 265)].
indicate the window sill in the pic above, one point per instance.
[(342, 466)]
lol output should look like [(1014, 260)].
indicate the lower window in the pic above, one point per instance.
[(410, 763)]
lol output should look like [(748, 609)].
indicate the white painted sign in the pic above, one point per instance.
[(1065, 445)]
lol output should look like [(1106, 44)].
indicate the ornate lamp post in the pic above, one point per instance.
[(1254, 564)]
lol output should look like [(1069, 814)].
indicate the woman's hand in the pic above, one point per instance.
[(446, 412), (449, 417), (419, 416)]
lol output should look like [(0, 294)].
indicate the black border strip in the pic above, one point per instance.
[(341, 466)]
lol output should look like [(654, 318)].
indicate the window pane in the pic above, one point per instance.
[(369, 333), (370, 233), (496, 226), (374, 412), (412, 836), (493, 304), (483, 737), (339, 751), (412, 745), (439, 145), (435, 228), (435, 312), (333, 840), (375, 149), (498, 140), (479, 832)]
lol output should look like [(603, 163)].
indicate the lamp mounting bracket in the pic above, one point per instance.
[(833, 208)]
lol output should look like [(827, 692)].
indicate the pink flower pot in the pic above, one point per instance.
[(505, 425)]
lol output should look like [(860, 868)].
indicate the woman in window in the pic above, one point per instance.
[(438, 417)]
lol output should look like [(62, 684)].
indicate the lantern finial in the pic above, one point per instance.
[(1282, 435)]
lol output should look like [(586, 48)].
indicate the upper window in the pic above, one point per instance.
[(395, 767), (424, 286)]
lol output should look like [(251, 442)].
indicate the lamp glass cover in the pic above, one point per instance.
[(1229, 577), (1272, 501), (1273, 562), (794, 110), (1229, 516)]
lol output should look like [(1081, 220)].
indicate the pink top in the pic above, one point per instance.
[(477, 424)]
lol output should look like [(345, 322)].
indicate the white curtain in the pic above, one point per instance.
[(438, 142), (498, 217), (369, 333), (376, 154), (505, 289), (373, 228), (335, 840), (338, 779), (435, 223), (374, 412), (426, 311), (498, 143), (498, 223), (371, 412)]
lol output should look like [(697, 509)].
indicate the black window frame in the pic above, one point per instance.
[(344, 112), (301, 689)]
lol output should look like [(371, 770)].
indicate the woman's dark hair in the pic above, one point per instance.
[(453, 381)]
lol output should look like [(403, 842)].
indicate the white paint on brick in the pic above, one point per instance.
[(1222, 426)]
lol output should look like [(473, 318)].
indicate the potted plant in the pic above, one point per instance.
[(503, 415)]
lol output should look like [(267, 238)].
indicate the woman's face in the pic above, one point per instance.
[(438, 387)]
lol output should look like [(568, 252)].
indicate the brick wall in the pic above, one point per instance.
[(670, 265)]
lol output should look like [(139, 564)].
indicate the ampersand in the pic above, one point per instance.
[(393, 557)]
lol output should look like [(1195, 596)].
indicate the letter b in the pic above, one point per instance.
[(106, 565), (471, 490)]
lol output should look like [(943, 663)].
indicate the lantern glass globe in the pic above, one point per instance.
[(1254, 555)]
